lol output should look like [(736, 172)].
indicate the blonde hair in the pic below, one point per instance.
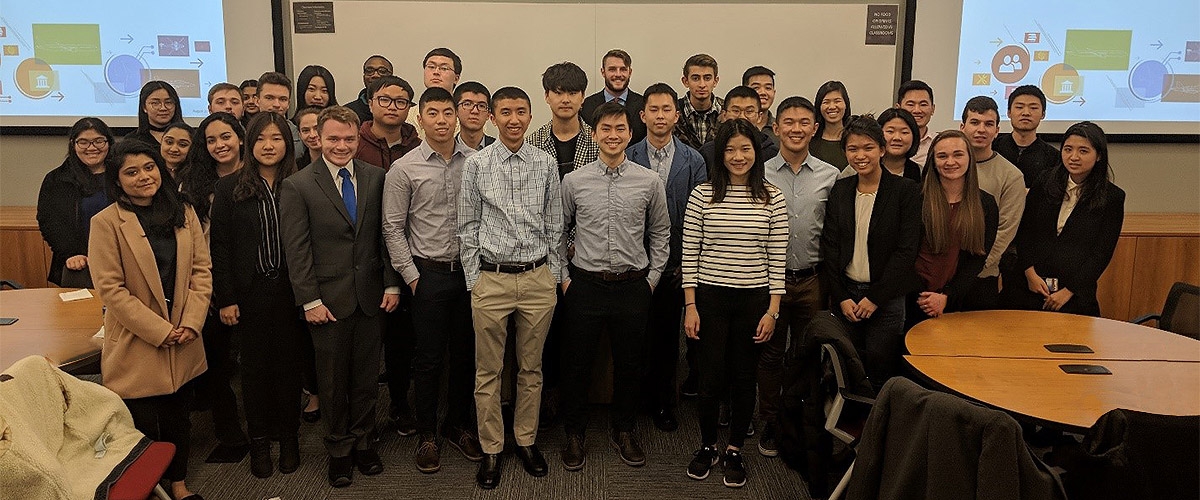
[(935, 208), (338, 114)]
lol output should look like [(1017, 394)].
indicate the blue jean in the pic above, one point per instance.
[(880, 338)]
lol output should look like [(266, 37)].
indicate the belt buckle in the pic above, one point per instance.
[(455, 266), (271, 274)]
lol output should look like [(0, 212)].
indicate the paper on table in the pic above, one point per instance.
[(79, 294)]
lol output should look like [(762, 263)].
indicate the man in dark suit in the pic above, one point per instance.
[(615, 70), (330, 218)]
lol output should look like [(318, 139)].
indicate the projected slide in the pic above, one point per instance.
[(1111, 60), (79, 58)]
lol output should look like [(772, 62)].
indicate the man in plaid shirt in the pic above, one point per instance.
[(700, 108)]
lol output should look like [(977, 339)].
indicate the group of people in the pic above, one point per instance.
[(394, 227)]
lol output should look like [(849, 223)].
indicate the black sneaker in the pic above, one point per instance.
[(750, 431), (735, 473), (723, 415), (405, 423), (766, 443), (703, 460), (690, 388)]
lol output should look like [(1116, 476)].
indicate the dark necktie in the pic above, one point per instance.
[(348, 196)]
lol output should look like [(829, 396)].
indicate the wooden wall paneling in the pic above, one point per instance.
[(24, 257), (1159, 262), (1113, 289)]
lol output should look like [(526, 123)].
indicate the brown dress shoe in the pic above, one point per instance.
[(428, 456), (628, 449)]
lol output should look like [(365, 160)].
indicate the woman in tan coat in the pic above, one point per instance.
[(151, 267)]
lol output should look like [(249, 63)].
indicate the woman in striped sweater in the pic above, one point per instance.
[(734, 251)]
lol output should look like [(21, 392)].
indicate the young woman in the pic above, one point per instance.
[(70, 195), (734, 256), (306, 122), (900, 131), (176, 142), (1070, 227), (315, 85), (960, 223), (217, 153), (249, 90), (158, 106), (150, 264), (254, 295), (833, 106), (869, 246)]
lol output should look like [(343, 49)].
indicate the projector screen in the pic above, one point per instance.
[(65, 59), (1134, 69)]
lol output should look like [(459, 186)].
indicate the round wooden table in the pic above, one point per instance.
[(999, 358), (47, 326)]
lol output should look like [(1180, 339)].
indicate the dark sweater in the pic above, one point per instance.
[(61, 218), (1033, 161)]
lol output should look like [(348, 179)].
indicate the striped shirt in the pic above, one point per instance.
[(736, 243), (270, 252)]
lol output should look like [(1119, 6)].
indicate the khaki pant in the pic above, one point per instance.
[(531, 296)]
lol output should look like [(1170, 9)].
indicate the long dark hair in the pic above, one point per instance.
[(825, 89), (80, 175), (306, 75), (166, 204), (719, 176), (1092, 193), (249, 184), (198, 174), (149, 88)]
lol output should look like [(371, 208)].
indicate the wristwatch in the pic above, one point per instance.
[(773, 315)]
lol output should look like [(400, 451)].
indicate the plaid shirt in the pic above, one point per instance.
[(698, 127), (586, 149), (509, 209)]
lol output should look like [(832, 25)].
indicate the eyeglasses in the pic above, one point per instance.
[(377, 71), (444, 68), (160, 103), (387, 102), (98, 142), (473, 106)]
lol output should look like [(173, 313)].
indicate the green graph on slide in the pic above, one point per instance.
[(67, 43)]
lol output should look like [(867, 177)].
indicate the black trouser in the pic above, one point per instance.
[(270, 332), (878, 339), (444, 337), (551, 367), (804, 298), (728, 356), (165, 418), (347, 352), (213, 386), (662, 342), (984, 295), (398, 350)]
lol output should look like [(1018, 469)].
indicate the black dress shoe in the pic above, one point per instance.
[(340, 471), (664, 420), (368, 462), (628, 449), (289, 454), (532, 459), (573, 454), (260, 458), (488, 476)]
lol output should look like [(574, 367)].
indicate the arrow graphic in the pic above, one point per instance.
[(1157, 45), (994, 92), (59, 96), (1081, 100), (5, 98), (198, 63), (977, 62), (127, 38), (997, 41)]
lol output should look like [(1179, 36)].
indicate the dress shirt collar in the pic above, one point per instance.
[(523, 153), (666, 150), (333, 169), (619, 171), (427, 152), (624, 97)]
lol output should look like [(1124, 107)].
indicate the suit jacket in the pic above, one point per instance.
[(633, 105), (687, 172), (586, 149), (1078, 256), (133, 360), (343, 265), (235, 232), (893, 240)]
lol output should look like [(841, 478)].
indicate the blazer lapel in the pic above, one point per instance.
[(365, 185), (320, 173), (135, 236), (183, 271)]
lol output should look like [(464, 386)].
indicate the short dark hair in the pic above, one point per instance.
[(619, 54), (754, 71), (796, 102), (340, 114), (435, 94), (444, 52), (865, 126), (509, 93), (388, 81), (742, 91), (223, 86), (1032, 90), (890, 114), (980, 104), (611, 108), (701, 60), (275, 78), (660, 88), (247, 84), (912, 85), (564, 77), (473, 87), (307, 110)]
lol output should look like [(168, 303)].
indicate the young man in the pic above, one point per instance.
[(1001, 179), (615, 70), (226, 97), (420, 223), (621, 249), (249, 90), (762, 80), (331, 229), (274, 96), (565, 137), (1032, 155), (387, 136), (699, 108), (742, 102), (805, 181), (441, 68), (916, 97), (374, 68), (681, 168), (510, 227), (472, 100)]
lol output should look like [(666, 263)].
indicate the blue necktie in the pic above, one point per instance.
[(348, 195)]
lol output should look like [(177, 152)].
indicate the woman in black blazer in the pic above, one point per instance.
[(1070, 227), (70, 195), (959, 221), (868, 245), (254, 295)]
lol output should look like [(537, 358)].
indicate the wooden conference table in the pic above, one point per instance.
[(998, 358), (47, 326)]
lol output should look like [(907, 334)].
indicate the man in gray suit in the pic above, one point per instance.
[(331, 227)]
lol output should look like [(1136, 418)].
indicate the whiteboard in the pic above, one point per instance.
[(504, 44)]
